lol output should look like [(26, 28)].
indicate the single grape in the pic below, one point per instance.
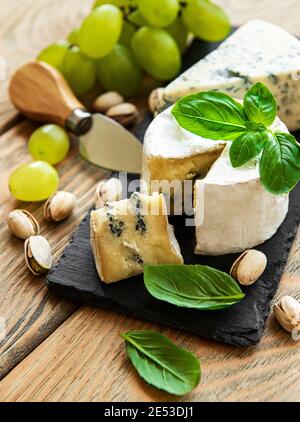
[(33, 182), (73, 36), (127, 33), (157, 53), (206, 20), (79, 71), (179, 32), (159, 13), (100, 31), (49, 143), (54, 54), (118, 3), (119, 71)]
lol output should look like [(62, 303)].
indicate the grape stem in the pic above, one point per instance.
[(126, 12)]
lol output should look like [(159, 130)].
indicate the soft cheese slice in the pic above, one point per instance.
[(258, 51), (128, 234), (233, 211)]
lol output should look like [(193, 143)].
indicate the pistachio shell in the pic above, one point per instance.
[(107, 100), (249, 267), (287, 313), (38, 254), (156, 100), (126, 113), (59, 206), (22, 224), (108, 191)]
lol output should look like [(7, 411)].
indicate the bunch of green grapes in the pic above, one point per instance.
[(122, 39)]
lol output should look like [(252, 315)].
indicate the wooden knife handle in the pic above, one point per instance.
[(41, 93)]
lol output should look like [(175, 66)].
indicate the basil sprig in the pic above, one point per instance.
[(192, 286), (217, 116), (161, 363)]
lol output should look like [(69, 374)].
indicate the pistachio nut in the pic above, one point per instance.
[(287, 313), (22, 224), (108, 191), (126, 113), (59, 206), (156, 100), (38, 255), (107, 100), (249, 267)]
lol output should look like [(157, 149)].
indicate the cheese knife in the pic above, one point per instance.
[(41, 93)]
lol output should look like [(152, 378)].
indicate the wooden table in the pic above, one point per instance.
[(56, 350)]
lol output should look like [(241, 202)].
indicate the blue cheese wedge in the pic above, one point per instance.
[(233, 211), (128, 234), (258, 51)]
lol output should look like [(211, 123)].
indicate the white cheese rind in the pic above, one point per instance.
[(233, 211), (258, 51)]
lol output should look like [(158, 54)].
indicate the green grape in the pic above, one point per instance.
[(118, 3), (206, 20), (33, 182), (179, 32), (119, 71), (137, 18), (54, 54), (73, 36), (79, 71), (159, 13), (127, 33), (100, 31), (49, 143), (157, 53)]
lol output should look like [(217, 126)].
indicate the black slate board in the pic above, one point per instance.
[(75, 275)]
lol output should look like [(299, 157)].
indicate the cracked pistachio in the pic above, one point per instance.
[(126, 114), (59, 206), (108, 191), (156, 100), (287, 313), (22, 224), (38, 255), (249, 267), (107, 100)]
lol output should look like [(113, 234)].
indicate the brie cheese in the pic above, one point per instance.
[(233, 211), (258, 51), (128, 234)]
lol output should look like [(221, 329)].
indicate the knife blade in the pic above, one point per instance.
[(41, 93)]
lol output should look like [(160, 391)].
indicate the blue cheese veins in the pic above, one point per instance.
[(125, 236), (258, 51)]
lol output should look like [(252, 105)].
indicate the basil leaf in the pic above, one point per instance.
[(260, 105), (212, 115), (247, 147), (280, 163), (192, 286), (161, 363)]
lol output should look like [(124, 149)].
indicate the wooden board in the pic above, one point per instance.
[(266, 372)]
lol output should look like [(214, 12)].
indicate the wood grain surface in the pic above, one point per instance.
[(55, 350)]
